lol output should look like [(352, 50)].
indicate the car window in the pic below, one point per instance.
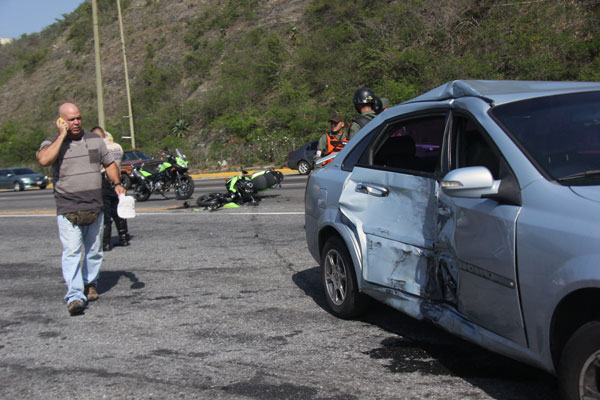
[(313, 145), (4, 172), (358, 149), (559, 134), (142, 156), (412, 145), (24, 171), (470, 147)]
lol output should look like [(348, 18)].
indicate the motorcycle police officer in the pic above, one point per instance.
[(364, 102)]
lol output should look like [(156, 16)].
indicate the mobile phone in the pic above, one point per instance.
[(60, 119)]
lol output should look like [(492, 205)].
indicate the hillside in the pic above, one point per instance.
[(248, 80)]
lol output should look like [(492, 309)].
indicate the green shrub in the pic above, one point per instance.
[(33, 60), (252, 94)]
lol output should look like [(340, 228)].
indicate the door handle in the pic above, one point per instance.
[(373, 190)]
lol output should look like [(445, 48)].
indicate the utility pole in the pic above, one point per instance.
[(99, 92), (131, 129)]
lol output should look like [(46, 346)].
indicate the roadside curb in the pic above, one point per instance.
[(285, 171)]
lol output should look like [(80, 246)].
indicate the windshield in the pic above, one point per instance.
[(24, 171), (560, 134), (135, 155)]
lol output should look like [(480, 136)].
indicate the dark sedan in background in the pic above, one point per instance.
[(302, 158), (21, 178), (131, 158)]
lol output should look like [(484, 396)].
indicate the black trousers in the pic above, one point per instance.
[(111, 201)]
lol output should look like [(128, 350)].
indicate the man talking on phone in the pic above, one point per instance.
[(76, 157)]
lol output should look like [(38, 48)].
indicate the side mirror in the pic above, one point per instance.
[(470, 182)]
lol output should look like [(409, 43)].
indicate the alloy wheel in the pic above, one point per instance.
[(303, 167), (336, 278), (589, 380)]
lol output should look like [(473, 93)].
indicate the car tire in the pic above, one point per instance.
[(303, 167), (43, 187), (579, 368), (126, 181), (18, 186), (339, 281)]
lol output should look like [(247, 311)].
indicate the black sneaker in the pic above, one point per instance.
[(75, 307)]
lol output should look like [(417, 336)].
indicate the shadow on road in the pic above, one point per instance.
[(109, 279), (417, 346)]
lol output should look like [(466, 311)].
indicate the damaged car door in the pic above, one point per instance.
[(390, 199), (476, 238)]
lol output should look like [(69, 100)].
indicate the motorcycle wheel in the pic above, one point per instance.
[(185, 189), (211, 201), (141, 192), (126, 181)]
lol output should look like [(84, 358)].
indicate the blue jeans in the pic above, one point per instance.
[(77, 272)]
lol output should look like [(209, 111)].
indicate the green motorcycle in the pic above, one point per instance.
[(171, 173), (242, 189)]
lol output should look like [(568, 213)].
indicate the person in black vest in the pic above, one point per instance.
[(364, 102)]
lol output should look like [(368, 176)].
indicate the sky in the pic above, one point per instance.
[(30, 16)]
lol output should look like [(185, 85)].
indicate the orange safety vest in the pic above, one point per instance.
[(334, 144)]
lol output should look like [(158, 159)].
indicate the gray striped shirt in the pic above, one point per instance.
[(76, 173)]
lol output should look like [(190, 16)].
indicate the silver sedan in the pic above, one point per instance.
[(474, 206)]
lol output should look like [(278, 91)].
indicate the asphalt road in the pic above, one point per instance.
[(217, 305), (35, 201)]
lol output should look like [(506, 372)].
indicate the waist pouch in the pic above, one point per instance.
[(82, 218)]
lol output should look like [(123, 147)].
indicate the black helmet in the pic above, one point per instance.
[(378, 106), (363, 96)]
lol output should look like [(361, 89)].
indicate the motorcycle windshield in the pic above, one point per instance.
[(181, 159)]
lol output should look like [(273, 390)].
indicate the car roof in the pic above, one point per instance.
[(498, 92), (17, 168)]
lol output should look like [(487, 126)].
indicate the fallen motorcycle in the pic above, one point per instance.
[(171, 173), (242, 189)]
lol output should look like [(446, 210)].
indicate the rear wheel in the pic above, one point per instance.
[(185, 189), (579, 368), (339, 280), (303, 167), (17, 187), (125, 181), (141, 192), (212, 201)]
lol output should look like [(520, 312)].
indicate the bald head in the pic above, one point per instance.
[(70, 113), (67, 107)]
